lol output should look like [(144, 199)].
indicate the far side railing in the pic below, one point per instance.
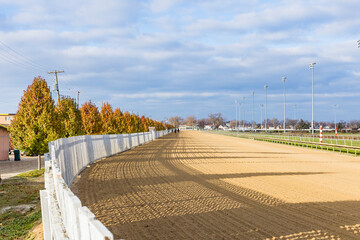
[(341, 145)]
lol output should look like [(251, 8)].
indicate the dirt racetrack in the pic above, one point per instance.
[(197, 185)]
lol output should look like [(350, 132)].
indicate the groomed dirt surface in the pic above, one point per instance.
[(197, 185)]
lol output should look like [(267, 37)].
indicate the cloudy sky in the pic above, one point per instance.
[(173, 57)]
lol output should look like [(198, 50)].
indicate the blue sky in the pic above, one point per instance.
[(164, 58)]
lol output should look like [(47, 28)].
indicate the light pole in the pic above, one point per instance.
[(312, 65), (358, 43), (335, 107), (283, 80), (295, 111), (236, 107), (244, 114), (239, 115), (252, 126), (261, 107), (266, 87)]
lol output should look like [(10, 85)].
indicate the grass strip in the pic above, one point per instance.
[(20, 208)]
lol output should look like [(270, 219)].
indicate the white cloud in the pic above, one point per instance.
[(207, 52), (166, 95), (163, 5)]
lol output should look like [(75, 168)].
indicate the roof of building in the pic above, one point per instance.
[(4, 125)]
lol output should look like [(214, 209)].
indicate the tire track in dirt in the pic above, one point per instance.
[(193, 186)]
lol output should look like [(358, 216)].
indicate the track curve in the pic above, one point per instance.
[(195, 185)]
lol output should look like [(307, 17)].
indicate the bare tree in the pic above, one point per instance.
[(274, 122), (201, 123), (233, 124), (216, 119), (291, 122), (354, 124), (190, 121), (175, 121), (302, 124)]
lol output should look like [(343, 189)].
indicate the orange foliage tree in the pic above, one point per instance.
[(91, 118), (120, 121), (108, 120), (144, 123), (69, 117)]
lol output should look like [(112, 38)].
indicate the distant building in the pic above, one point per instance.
[(208, 127), (224, 128), (186, 127), (6, 118), (4, 143)]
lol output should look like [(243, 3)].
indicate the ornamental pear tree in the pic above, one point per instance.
[(130, 124), (91, 118), (69, 117), (149, 122), (138, 127), (108, 119), (144, 123), (35, 123), (120, 121)]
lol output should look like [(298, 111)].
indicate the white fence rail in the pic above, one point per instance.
[(63, 215)]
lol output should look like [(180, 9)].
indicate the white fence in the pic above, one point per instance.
[(63, 215)]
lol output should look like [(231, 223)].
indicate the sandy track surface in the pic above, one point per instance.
[(196, 185)]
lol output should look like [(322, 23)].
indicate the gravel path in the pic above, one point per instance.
[(196, 185), (12, 168)]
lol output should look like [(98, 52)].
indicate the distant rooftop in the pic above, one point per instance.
[(7, 114)]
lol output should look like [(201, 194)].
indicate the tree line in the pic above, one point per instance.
[(39, 120), (216, 119)]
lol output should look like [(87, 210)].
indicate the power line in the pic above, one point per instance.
[(14, 57), (15, 63)]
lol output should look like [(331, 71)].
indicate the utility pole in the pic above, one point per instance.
[(57, 82), (77, 99)]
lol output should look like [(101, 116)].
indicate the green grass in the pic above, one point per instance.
[(32, 174), (22, 189), (283, 138), (15, 225), (316, 138)]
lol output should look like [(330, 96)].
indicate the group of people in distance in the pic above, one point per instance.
[(176, 130)]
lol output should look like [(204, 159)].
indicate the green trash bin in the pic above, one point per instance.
[(17, 155)]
